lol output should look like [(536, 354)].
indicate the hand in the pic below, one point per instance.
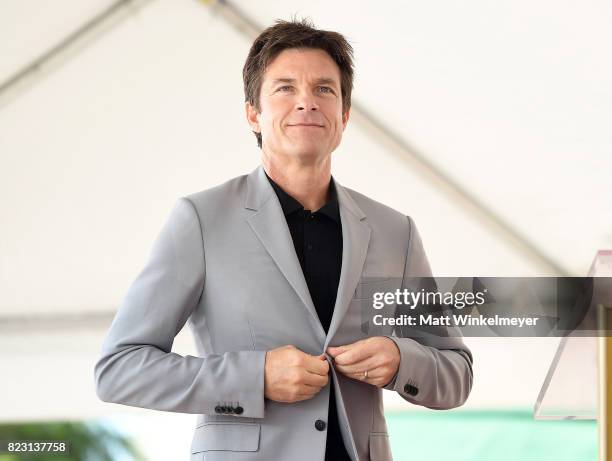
[(378, 355), (292, 375)]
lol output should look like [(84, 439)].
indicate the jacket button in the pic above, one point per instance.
[(218, 409), (238, 410), (320, 425), (410, 389)]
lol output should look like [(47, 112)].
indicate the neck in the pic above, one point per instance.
[(307, 183)]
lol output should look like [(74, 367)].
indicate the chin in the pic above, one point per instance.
[(306, 151)]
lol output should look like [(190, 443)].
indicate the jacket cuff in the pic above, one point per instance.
[(415, 364), (242, 397)]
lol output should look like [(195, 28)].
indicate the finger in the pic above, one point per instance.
[(355, 354), (360, 376), (359, 367), (358, 372), (312, 379), (306, 392), (335, 350), (372, 378), (316, 366)]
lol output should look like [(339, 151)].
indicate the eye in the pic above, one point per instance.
[(283, 88), (325, 89)]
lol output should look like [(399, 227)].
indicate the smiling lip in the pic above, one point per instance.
[(307, 124)]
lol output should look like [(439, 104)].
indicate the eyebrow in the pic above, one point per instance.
[(321, 80)]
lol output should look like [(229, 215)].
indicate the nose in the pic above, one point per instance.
[(306, 102)]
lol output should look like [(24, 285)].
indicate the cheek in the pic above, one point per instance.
[(335, 119), (272, 117), (338, 128), (266, 122)]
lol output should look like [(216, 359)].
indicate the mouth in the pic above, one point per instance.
[(306, 125)]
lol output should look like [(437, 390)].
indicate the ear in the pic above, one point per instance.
[(252, 117), (345, 118)]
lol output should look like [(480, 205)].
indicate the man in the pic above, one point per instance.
[(270, 269)]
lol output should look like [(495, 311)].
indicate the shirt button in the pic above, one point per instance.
[(320, 425), (312, 216)]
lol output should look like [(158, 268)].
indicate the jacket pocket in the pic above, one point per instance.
[(380, 450), (226, 436)]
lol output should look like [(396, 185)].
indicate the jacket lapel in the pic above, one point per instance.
[(270, 227), (355, 240)]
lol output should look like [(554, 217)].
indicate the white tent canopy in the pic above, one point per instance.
[(488, 123)]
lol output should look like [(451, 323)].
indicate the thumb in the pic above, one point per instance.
[(336, 350)]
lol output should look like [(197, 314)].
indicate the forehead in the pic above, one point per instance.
[(296, 63)]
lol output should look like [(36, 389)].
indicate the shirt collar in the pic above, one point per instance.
[(291, 205)]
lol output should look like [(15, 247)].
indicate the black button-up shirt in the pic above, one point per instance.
[(317, 238)]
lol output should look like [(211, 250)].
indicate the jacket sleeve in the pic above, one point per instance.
[(137, 367), (435, 368)]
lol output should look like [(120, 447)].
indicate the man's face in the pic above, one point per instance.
[(301, 105)]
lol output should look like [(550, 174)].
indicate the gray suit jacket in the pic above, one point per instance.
[(225, 262)]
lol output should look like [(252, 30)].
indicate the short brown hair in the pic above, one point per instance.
[(295, 34)]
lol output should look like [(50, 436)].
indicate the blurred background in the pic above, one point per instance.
[(487, 122)]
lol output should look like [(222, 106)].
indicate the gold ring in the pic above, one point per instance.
[(365, 374)]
